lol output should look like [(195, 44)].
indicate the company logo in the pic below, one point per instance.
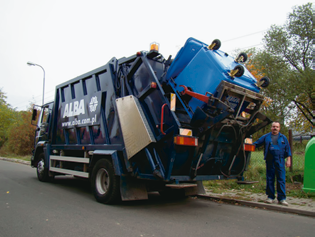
[(233, 101), (93, 104), (74, 109)]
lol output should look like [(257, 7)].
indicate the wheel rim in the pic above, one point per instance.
[(41, 167), (102, 181)]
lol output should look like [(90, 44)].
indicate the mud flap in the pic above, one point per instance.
[(132, 189)]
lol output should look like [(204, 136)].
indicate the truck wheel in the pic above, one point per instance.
[(42, 172), (106, 185)]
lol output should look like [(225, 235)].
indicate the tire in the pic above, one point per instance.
[(241, 58), (265, 82), (217, 44), (42, 172), (106, 185), (240, 69)]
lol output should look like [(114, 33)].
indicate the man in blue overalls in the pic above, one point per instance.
[(276, 150)]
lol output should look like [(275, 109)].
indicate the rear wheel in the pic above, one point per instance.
[(106, 185), (42, 172)]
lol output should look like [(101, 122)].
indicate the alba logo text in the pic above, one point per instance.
[(78, 108), (93, 104)]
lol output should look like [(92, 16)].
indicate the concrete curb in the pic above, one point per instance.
[(24, 162), (273, 207)]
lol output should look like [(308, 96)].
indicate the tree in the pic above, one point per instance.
[(6, 118), (16, 132), (290, 46), (276, 105), (21, 134)]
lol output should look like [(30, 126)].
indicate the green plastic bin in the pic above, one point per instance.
[(309, 167)]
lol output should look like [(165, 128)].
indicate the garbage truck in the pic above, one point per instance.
[(148, 123)]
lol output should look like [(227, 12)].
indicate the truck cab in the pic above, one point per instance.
[(42, 130)]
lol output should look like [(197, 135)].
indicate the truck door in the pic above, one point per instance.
[(43, 124)]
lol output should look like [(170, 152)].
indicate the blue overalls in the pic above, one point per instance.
[(275, 163), (275, 166)]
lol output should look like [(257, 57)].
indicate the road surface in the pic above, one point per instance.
[(67, 207)]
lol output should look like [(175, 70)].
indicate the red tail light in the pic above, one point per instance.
[(186, 141), (249, 147)]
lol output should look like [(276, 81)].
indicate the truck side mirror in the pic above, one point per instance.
[(34, 115)]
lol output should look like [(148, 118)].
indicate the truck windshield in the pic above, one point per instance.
[(45, 115)]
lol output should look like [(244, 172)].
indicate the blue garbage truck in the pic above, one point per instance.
[(148, 123)]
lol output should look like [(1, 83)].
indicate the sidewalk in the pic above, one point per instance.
[(299, 206)]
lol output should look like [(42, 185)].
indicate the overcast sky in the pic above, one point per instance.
[(71, 37)]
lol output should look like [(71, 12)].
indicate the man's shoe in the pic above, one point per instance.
[(269, 201), (284, 203)]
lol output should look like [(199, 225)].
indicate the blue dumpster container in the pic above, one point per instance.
[(195, 63)]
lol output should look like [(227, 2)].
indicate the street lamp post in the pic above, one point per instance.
[(34, 64)]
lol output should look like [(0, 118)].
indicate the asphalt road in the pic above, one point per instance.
[(67, 207)]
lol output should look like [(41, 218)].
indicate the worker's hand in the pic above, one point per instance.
[(288, 162)]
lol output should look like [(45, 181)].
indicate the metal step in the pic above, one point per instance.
[(181, 185)]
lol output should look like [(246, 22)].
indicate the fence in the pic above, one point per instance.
[(257, 160)]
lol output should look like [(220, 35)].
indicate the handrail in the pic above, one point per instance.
[(162, 119)]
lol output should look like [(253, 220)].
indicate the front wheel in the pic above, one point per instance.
[(106, 185), (42, 172)]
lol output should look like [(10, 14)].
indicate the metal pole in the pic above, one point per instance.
[(43, 83), (34, 64), (291, 146)]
